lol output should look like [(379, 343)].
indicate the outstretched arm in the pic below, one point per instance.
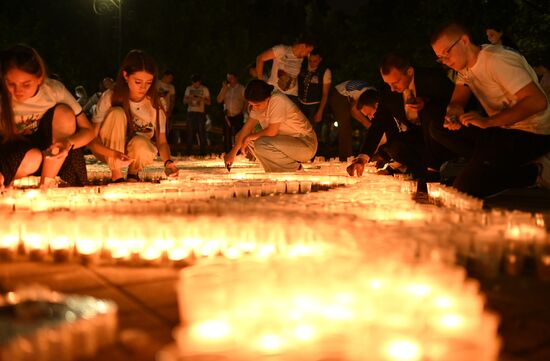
[(261, 59)]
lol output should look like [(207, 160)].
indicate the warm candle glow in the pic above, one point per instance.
[(403, 350)]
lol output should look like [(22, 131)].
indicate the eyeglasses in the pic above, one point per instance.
[(445, 55)]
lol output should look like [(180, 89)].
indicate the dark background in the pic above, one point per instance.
[(211, 37)]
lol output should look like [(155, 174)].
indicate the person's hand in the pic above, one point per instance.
[(59, 149), (452, 118), (417, 106), (171, 170), (474, 118), (229, 158), (318, 116), (357, 167), (121, 159)]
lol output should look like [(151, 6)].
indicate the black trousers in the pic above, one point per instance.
[(231, 126), (501, 159)]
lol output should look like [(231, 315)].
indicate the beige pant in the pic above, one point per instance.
[(112, 134)]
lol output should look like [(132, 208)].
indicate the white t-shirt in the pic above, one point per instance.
[(165, 91), (201, 91), (144, 116), (285, 62), (353, 88), (28, 113), (282, 110), (234, 101), (498, 74)]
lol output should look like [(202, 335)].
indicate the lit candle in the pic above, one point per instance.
[(88, 250), (8, 246), (61, 247)]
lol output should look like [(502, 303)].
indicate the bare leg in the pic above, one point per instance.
[(63, 126), (30, 163)]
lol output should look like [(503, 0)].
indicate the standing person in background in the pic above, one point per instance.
[(196, 97), (167, 92), (343, 102), (497, 35), (129, 121), (105, 84), (287, 62), (232, 96), (313, 87), (81, 95), (47, 115)]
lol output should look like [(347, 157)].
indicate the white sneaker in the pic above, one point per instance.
[(543, 179)]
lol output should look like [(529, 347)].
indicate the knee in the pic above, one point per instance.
[(139, 144), (116, 115), (64, 118), (262, 144), (32, 160)]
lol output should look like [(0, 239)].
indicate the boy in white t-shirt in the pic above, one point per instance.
[(286, 139), (196, 96)]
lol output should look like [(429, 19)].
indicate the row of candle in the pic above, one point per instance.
[(346, 309), (163, 239)]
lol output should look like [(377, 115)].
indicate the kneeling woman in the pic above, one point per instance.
[(286, 138), (128, 117)]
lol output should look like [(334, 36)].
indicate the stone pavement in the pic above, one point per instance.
[(146, 297)]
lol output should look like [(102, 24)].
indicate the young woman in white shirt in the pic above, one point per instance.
[(129, 121), (46, 116)]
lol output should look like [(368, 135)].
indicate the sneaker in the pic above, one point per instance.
[(543, 179)]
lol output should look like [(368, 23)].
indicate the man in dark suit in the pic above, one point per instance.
[(410, 113)]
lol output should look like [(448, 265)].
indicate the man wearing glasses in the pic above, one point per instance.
[(512, 149)]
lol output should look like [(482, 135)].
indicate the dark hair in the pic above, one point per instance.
[(7, 126), (257, 90), (168, 72), (195, 78), (394, 60), (368, 97), (305, 39), (232, 73), (316, 51), (135, 60), (26, 59), (453, 27)]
